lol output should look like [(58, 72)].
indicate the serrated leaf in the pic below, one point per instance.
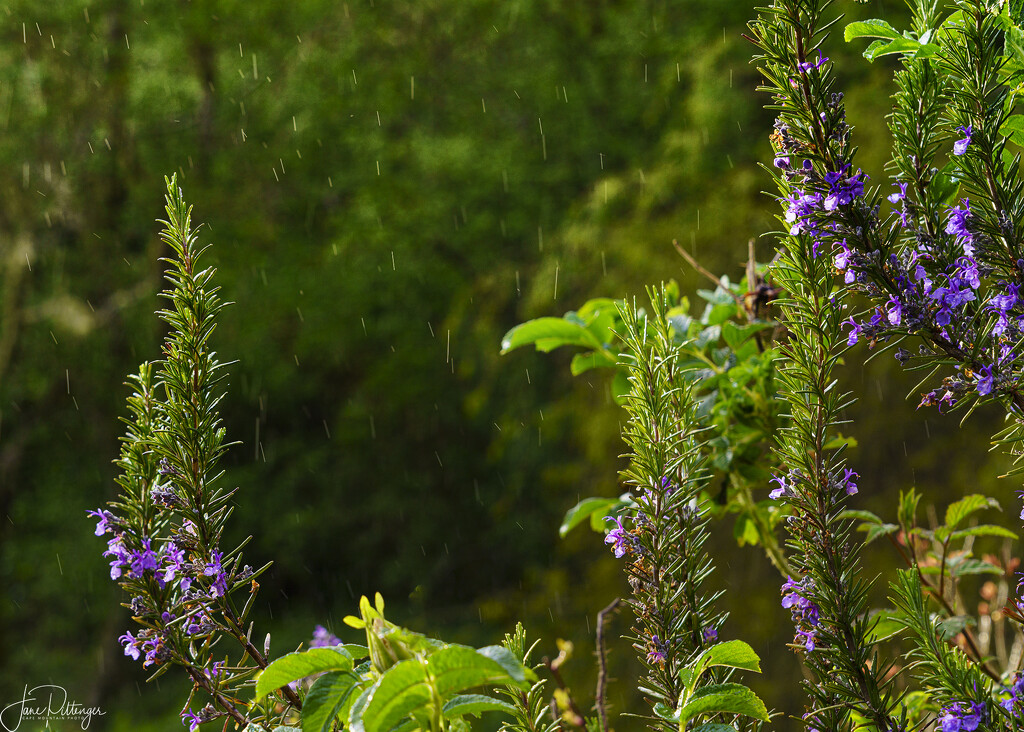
[(984, 530), (733, 654), (330, 696), (861, 515), (725, 698), (967, 505), (875, 532), (585, 509), (873, 28), (295, 666), (548, 334), (475, 704), (402, 689)]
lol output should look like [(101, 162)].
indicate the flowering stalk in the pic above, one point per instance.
[(168, 524), (662, 540), (825, 202)]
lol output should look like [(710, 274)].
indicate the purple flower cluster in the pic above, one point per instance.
[(323, 638), (149, 644), (803, 611), (623, 541), (807, 210), (1014, 704), (962, 717), (657, 650)]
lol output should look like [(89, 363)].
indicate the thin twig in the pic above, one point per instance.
[(697, 266), (602, 670)]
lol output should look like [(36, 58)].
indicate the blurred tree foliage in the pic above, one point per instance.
[(389, 186)]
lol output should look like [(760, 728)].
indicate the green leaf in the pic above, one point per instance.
[(951, 627), (663, 711), (885, 626), (839, 440), (880, 48), (985, 530), (475, 704), (548, 334), (297, 666), (734, 654), (862, 515), (876, 532), (402, 689), (967, 505), (330, 696), (874, 28), (457, 668), (726, 698), (583, 362), (945, 186), (974, 566), (587, 508), (1013, 128), (714, 727)]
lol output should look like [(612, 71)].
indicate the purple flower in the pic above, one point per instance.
[(174, 563), (781, 161), (985, 381), (144, 559), (783, 490), (957, 225), (897, 197), (960, 146), (131, 645), (803, 611), (962, 717), (895, 311), (808, 66), (213, 569), (323, 638), (1003, 304), (106, 518), (855, 331), (622, 541), (848, 481), (191, 719), (710, 635), (657, 650), (121, 557)]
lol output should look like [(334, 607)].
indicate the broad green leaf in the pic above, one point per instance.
[(985, 530), (881, 48), (885, 626), (862, 515), (1013, 128), (974, 566), (299, 665), (967, 505), (727, 698), (548, 334), (587, 508), (945, 186), (873, 28), (663, 711), (875, 532), (735, 335), (839, 440), (402, 689), (457, 668), (583, 362), (734, 654), (330, 696), (475, 704), (951, 627)]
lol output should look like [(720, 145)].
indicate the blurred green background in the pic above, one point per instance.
[(389, 187)]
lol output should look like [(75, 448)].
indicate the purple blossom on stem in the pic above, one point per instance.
[(849, 483), (803, 611), (323, 638), (895, 311), (106, 518), (190, 718), (985, 381), (962, 717), (1003, 304), (809, 66), (900, 195), (710, 635), (855, 331), (657, 650), (621, 539), (131, 645), (174, 564), (960, 146), (144, 559), (783, 491), (213, 569), (122, 558), (957, 225)]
